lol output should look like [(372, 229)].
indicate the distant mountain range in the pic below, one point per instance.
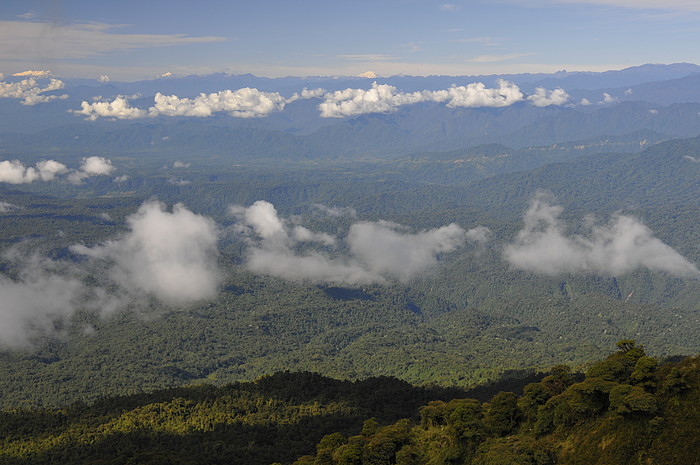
[(663, 99)]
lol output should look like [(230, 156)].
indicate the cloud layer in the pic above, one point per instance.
[(242, 103), (171, 255), (380, 98), (621, 246), (30, 91), (58, 40), (378, 250), (15, 172)]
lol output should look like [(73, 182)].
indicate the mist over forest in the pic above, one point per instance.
[(190, 232)]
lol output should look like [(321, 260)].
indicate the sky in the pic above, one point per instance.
[(129, 40)]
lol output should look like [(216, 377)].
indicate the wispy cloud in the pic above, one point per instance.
[(367, 57), (49, 40), (497, 58), (379, 251), (621, 246), (666, 5)]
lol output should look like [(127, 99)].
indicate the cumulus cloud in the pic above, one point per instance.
[(607, 98), (14, 171), (477, 95), (171, 255), (95, 166), (30, 91), (544, 98), (119, 108), (180, 164), (382, 98), (242, 103), (621, 246), (91, 166), (104, 78), (377, 250), (379, 99), (48, 169)]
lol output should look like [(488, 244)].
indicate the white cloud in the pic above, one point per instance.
[(31, 302), (180, 164), (585, 102), (30, 91), (386, 250), (91, 166), (693, 159), (121, 179), (621, 246), (45, 41), (378, 250), (14, 172), (380, 98), (171, 255), (607, 98), (242, 103), (104, 78), (477, 95), (95, 166), (543, 97), (48, 169), (118, 108), (6, 207)]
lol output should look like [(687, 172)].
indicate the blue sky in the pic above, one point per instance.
[(129, 40)]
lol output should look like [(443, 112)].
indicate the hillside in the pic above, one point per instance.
[(628, 407)]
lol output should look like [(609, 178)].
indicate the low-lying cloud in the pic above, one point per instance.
[(382, 98), (30, 91), (544, 98), (621, 246), (378, 251), (242, 103), (15, 172), (379, 98), (171, 255), (37, 297)]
